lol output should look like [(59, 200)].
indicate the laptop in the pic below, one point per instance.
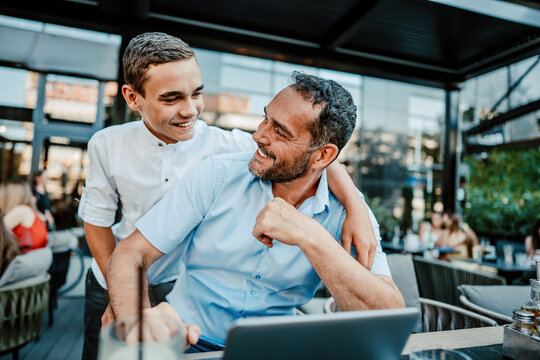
[(374, 334)]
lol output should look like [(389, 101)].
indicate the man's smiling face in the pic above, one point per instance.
[(284, 142)]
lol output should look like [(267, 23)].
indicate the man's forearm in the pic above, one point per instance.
[(123, 280), (101, 242), (352, 285)]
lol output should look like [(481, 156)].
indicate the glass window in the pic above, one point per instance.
[(287, 68), (529, 88), (70, 98), (245, 79), (13, 87), (491, 87), (247, 62)]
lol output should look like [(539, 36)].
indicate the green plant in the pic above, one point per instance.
[(504, 192), (383, 214)]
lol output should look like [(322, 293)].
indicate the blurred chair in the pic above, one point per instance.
[(438, 280), (402, 270), (22, 305), (495, 302), (61, 243)]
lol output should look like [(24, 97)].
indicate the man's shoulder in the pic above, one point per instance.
[(235, 158), (231, 166)]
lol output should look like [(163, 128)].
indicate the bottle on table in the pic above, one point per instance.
[(523, 321), (533, 305)]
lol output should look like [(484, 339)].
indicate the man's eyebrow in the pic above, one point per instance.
[(178, 93), (282, 127)]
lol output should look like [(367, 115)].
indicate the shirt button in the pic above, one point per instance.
[(166, 180), (160, 144), (252, 292), (258, 277)]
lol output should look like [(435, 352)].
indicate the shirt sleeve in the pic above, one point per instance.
[(99, 199), (380, 264), (168, 223), (232, 141)]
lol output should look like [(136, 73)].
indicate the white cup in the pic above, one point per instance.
[(163, 338)]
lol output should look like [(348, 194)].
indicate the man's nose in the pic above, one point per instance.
[(261, 135)]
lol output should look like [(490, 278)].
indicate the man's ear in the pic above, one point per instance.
[(323, 156), (131, 97)]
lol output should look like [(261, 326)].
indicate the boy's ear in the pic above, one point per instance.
[(131, 97)]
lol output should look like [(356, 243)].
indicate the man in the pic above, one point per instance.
[(136, 163), (258, 232)]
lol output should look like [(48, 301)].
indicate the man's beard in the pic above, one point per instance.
[(283, 172)]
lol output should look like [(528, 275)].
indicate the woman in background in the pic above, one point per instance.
[(9, 247), (21, 215), (532, 242), (432, 231), (460, 236)]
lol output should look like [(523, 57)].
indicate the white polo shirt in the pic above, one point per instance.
[(129, 164)]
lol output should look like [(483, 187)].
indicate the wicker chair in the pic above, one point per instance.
[(501, 319), (495, 302), (438, 316), (22, 305), (438, 280)]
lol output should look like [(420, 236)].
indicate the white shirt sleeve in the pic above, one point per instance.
[(232, 141), (99, 199)]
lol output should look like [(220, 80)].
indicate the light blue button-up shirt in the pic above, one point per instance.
[(225, 272)]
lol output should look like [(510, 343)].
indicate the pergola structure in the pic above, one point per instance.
[(438, 43)]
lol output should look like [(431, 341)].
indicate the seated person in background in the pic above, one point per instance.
[(21, 216), (433, 231), (532, 242), (257, 232), (9, 247), (460, 236), (39, 189)]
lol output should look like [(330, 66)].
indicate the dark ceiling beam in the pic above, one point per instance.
[(521, 144), (522, 51), (15, 113), (349, 24), (275, 48), (504, 117), (136, 9)]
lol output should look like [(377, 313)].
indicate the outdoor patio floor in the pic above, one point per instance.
[(61, 341)]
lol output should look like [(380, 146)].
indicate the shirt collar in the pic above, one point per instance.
[(311, 206), (156, 142)]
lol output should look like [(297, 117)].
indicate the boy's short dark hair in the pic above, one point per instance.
[(151, 48)]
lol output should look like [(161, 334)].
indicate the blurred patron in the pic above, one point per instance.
[(532, 242), (460, 236), (39, 189), (433, 231), (21, 216), (9, 247)]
